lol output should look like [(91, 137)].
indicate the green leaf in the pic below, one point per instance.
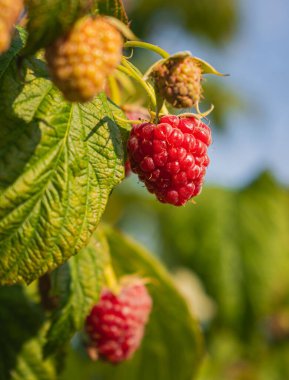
[(114, 8), (58, 164), (16, 46), (172, 346), (51, 18), (207, 68), (76, 285), (20, 338)]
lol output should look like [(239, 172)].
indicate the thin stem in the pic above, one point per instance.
[(132, 67), (129, 121), (206, 113), (110, 278), (140, 80), (199, 114), (129, 65), (114, 90), (148, 46)]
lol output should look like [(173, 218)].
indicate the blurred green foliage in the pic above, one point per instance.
[(22, 328), (237, 243), (172, 347), (224, 99), (214, 19)]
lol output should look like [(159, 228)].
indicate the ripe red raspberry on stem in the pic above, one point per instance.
[(10, 12), (116, 324), (81, 61), (171, 157)]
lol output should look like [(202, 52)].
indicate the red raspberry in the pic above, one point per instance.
[(81, 61), (116, 324), (171, 157)]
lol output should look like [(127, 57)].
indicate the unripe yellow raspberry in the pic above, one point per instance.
[(9, 13), (178, 80), (81, 61)]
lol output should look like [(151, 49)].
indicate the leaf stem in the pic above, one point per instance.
[(114, 90), (131, 66), (148, 46), (133, 74), (140, 121), (110, 278)]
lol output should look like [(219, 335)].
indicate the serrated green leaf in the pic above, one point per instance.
[(58, 164), (172, 346), (20, 338), (16, 46), (51, 18), (114, 8), (76, 285)]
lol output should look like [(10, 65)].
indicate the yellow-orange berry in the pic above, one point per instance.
[(81, 61), (10, 12)]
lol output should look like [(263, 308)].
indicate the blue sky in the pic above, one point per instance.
[(258, 61)]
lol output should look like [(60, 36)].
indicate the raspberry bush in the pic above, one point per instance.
[(67, 140)]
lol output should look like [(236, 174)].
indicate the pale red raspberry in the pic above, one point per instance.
[(116, 325)]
